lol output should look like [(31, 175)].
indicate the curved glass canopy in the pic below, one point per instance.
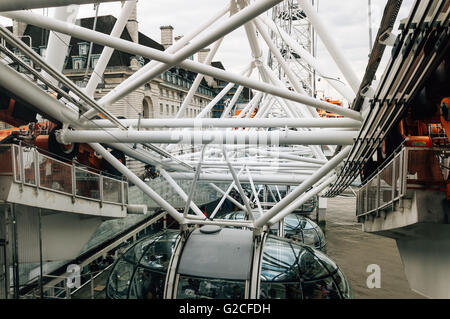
[(289, 270), (294, 271), (140, 272), (296, 227)]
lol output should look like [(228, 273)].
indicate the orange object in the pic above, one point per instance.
[(41, 142), (11, 131), (419, 141), (326, 114)]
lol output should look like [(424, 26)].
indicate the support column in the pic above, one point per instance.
[(321, 211)]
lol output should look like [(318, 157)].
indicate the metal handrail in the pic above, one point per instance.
[(19, 176), (398, 191)]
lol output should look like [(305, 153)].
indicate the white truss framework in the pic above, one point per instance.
[(280, 145)]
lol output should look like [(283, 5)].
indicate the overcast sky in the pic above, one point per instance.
[(348, 20)]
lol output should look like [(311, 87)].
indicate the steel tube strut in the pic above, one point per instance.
[(198, 80), (96, 76), (273, 179), (330, 43), (302, 199), (235, 202), (138, 182), (141, 76), (309, 59), (310, 181), (181, 192), (194, 183), (210, 137), (195, 45), (225, 195), (133, 48), (58, 42), (230, 123), (239, 186)]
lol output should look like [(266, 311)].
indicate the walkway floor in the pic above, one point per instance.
[(353, 250)]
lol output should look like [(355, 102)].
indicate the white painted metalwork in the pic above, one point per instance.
[(277, 138)]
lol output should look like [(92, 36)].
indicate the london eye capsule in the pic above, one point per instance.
[(227, 263)]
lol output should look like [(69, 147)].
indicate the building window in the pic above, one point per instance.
[(167, 109), (161, 108), (80, 84), (78, 62), (94, 59), (83, 48), (43, 51), (173, 110)]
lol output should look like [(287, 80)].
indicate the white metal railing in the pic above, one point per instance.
[(410, 168), (57, 288), (61, 290), (31, 168)]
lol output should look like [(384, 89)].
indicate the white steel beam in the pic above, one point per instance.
[(58, 43), (230, 123), (225, 195), (141, 76), (15, 83), (302, 199), (138, 182), (330, 43), (198, 80), (273, 179), (235, 202), (194, 183), (235, 97), (96, 76), (300, 189), (239, 186), (133, 48), (210, 137), (252, 185), (308, 58), (181, 192), (206, 39)]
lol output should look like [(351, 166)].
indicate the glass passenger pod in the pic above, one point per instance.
[(296, 226), (216, 263), (220, 264), (294, 271), (140, 272)]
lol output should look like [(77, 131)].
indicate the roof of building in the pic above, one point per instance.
[(217, 64), (105, 25)]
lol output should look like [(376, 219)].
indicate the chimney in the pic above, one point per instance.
[(202, 54), (19, 28), (166, 36), (133, 25)]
